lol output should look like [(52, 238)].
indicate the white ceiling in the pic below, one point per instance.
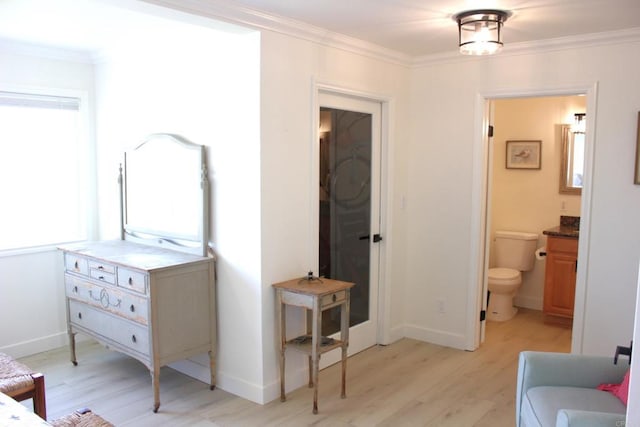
[(414, 28)]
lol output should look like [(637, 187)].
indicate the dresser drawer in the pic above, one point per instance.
[(133, 280), (114, 300), (123, 332), (76, 264), (103, 276), (101, 266)]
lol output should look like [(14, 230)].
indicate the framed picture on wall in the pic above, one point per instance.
[(523, 154)]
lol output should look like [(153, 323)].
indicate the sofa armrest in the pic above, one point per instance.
[(563, 369), (574, 418)]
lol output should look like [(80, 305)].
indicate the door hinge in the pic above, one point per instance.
[(490, 131), (483, 315)]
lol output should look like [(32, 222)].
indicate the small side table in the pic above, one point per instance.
[(316, 295)]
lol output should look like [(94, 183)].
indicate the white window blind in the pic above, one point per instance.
[(42, 187)]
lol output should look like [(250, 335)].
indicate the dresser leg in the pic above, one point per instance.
[(212, 367), (72, 348), (155, 382)]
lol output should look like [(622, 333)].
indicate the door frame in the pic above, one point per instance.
[(383, 334), (477, 289)]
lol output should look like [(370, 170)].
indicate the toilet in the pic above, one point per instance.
[(514, 252)]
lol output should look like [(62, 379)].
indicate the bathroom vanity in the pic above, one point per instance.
[(560, 273)]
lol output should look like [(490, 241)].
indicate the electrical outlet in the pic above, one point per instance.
[(441, 306)]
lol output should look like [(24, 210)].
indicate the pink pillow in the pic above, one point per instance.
[(621, 391)]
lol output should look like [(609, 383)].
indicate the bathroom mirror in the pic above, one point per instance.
[(164, 193), (572, 165)]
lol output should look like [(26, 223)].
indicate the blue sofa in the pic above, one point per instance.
[(559, 389)]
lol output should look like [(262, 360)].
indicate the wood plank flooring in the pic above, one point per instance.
[(408, 383)]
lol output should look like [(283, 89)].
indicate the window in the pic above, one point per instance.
[(43, 178)]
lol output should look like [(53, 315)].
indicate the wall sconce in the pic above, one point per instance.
[(579, 123), (480, 31)]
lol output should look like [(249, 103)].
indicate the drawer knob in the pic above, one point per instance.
[(132, 308), (75, 289), (334, 298), (79, 315), (130, 281), (101, 277), (100, 267), (75, 265), (133, 338)]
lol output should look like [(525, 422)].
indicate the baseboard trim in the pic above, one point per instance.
[(433, 336), (38, 345), (198, 368), (534, 303)]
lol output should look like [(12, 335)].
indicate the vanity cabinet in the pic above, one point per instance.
[(153, 304), (560, 279)]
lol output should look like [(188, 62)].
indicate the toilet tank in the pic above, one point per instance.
[(515, 249)]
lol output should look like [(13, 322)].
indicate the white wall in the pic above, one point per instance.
[(32, 282), (529, 200), (441, 185), (633, 410), (204, 86), (289, 68)]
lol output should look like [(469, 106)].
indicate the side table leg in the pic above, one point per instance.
[(310, 372), (282, 315), (343, 394), (344, 337), (316, 338)]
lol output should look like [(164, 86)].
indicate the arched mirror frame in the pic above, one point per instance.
[(160, 168)]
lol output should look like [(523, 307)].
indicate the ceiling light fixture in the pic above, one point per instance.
[(480, 31)]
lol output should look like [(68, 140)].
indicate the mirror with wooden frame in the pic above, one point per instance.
[(572, 165)]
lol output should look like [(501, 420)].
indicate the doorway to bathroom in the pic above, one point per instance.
[(525, 195)]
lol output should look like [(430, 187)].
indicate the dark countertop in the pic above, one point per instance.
[(563, 231), (569, 227)]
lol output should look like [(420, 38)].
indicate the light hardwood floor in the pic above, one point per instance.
[(408, 383)]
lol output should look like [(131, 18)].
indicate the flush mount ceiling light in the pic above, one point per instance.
[(480, 31)]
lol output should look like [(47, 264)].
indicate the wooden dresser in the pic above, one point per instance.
[(156, 305)]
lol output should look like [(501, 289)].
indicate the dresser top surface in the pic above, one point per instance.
[(133, 254)]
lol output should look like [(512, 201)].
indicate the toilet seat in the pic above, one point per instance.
[(504, 276)]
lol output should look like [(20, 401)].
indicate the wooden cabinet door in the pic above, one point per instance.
[(560, 277)]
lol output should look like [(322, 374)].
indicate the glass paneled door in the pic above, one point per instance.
[(349, 224)]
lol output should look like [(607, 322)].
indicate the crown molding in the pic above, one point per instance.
[(231, 12), (55, 53), (234, 13), (631, 35)]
